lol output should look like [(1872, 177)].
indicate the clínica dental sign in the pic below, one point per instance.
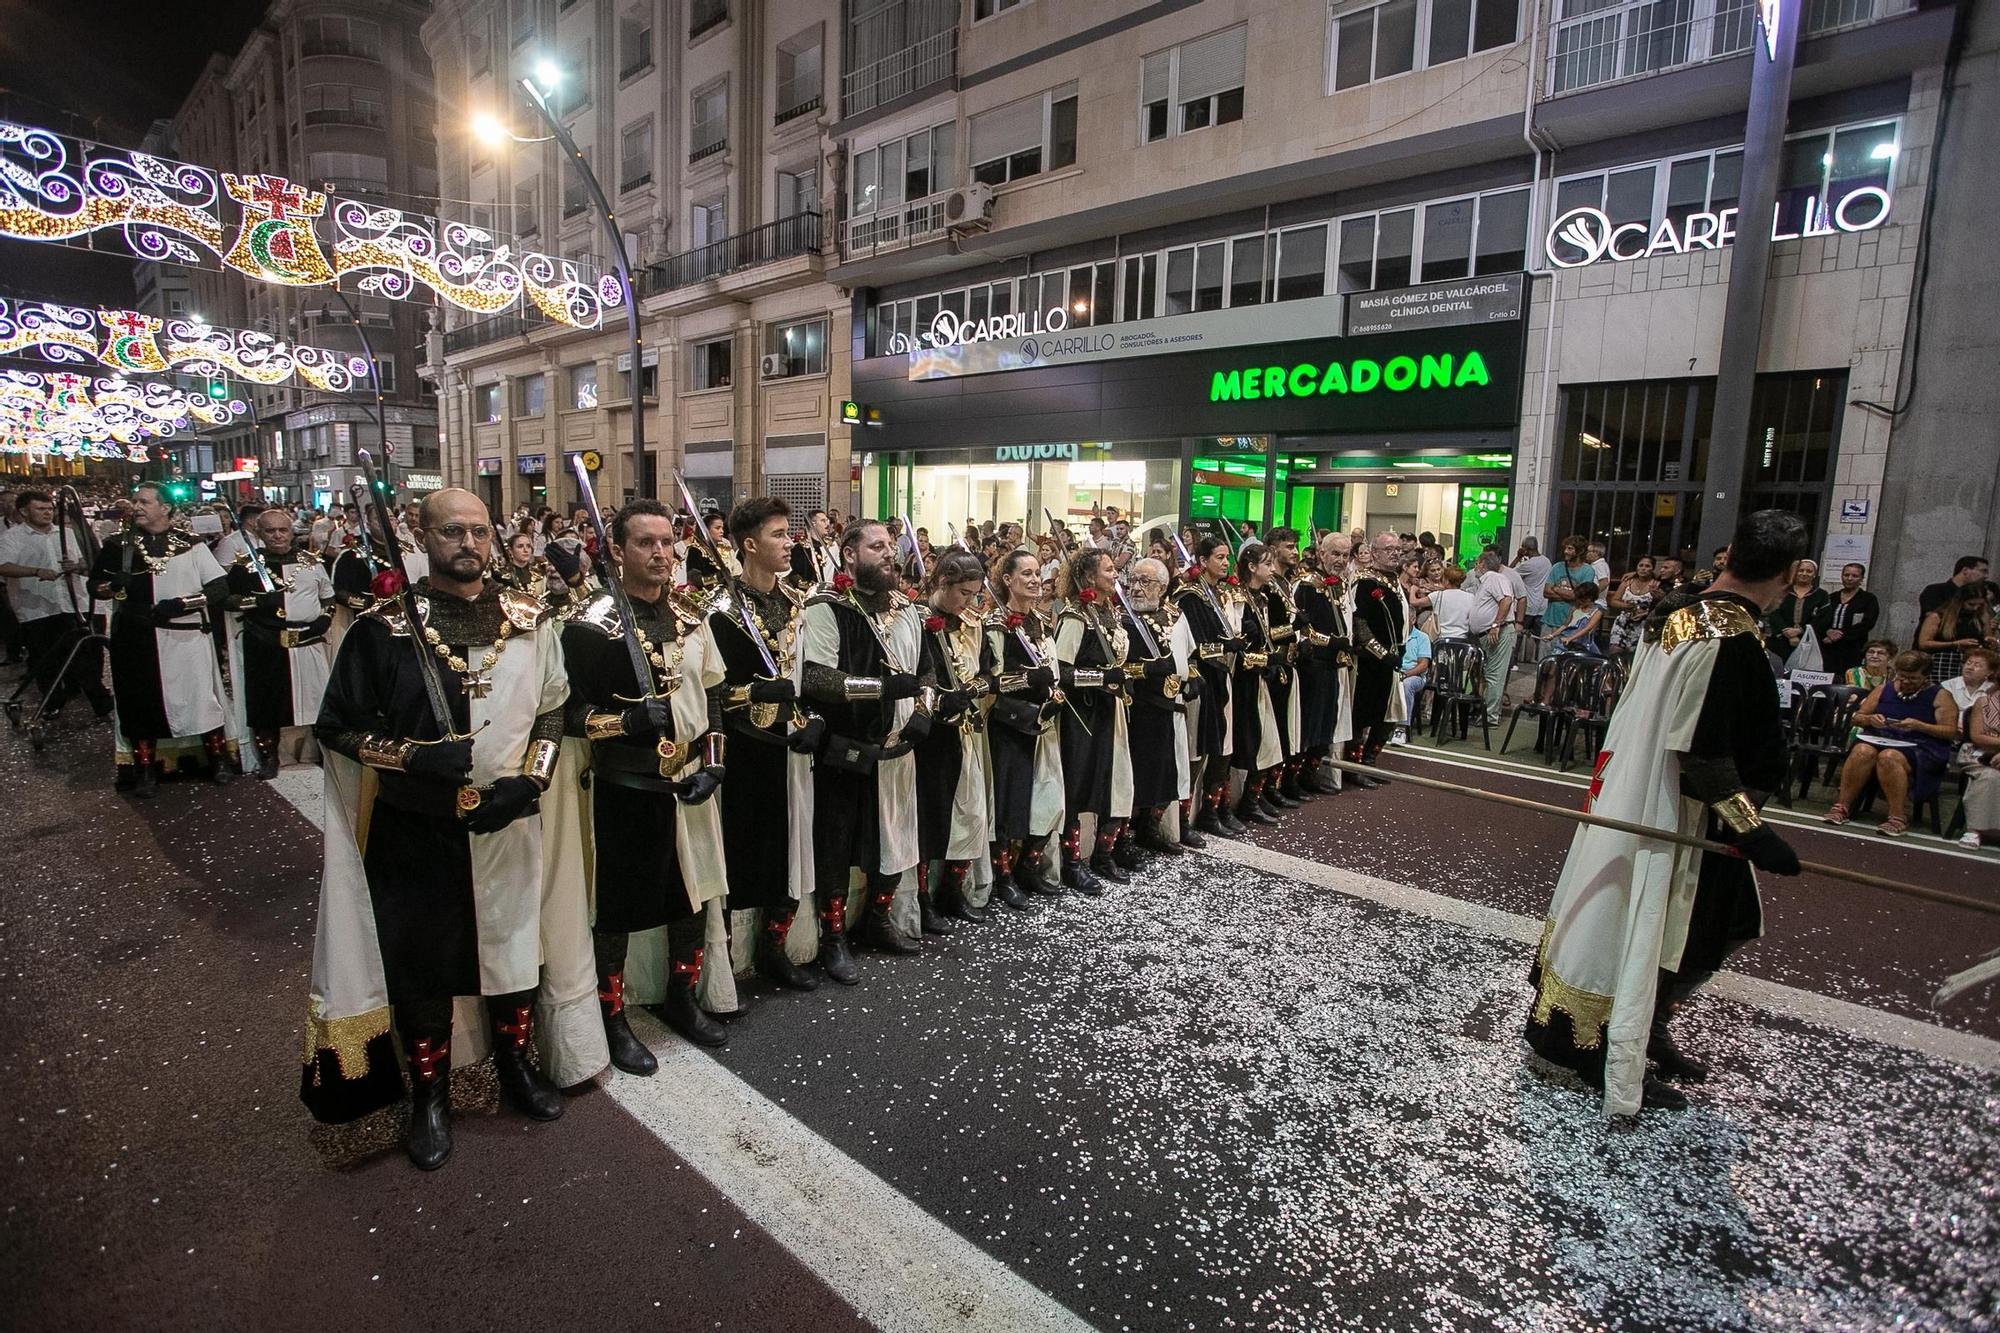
[(1584, 236)]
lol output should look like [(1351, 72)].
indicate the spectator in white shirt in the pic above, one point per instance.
[(43, 565), (1598, 564), (1533, 568), (1453, 607), (1495, 622), (1411, 677)]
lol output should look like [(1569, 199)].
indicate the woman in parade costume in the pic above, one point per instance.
[(1091, 648), (1259, 750), (1908, 724), (953, 796), (1019, 656), (1161, 682), (1206, 626), (1282, 618)]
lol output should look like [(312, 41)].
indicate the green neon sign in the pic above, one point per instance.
[(1398, 374)]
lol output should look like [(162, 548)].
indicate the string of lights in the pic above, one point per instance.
[(131, 341), (110, 417)]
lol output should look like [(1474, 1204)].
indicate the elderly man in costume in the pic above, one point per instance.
[(279, 599), (443, 721), (1636, 926)]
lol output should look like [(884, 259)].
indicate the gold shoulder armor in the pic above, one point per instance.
[(523, 610), (600, 613), (690, 611), (1705, 619), (389, 610)]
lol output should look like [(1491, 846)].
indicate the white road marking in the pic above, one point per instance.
[(1843, 1016)]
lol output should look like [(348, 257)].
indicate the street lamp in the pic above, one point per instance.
[(547, 77)]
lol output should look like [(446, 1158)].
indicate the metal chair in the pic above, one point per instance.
[(1457, 689), (1540, 705), (1589, 688), (1821, 721)]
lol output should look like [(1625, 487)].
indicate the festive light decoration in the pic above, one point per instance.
[(127, 340), (57, 188), (68, 411)]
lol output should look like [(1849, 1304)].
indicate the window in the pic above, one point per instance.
[(1193, 85), (635, 155), (1383, 40), (1375, 250), (478, 54), (709, 120), (798, 192), (1246, 271), (531, 395), (902, 170), (480, 217), (358, 38), (527, 209), (1142, 298), (349, 172), (1819, 170), (575, 196), (649, 380), (1301, 265), (635, 42), (986, 9), (705, 14), (1447, 240), (385, 375), (710, 364), (486, 403), (803, 345), (583, 386), (520, 20), (1503, 233), (710, 221), (800, 89), (1014, 142), (341, 104), (572, 94)]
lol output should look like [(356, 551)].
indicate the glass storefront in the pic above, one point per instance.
[(941, 489)]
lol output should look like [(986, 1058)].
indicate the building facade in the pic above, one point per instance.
[(334, 95)]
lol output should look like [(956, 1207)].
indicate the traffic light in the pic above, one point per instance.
[(384, 487), (218, 389), (178, 491)]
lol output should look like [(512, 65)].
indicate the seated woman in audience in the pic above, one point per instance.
[(1579, 634), (1964, 621), (1632, 602), (1982, 772), (1874, 668), (1907, 725)]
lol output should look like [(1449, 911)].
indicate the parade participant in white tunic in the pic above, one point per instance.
[(165, 676), (952, 785), (861, 641), (1091, 647), (1019, 656), (279, 599), (1696, 746), (450, 697)]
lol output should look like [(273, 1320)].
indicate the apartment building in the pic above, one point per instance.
[(335, 95), (1456, 265), (705, 123)]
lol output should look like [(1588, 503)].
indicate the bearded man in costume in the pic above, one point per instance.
[(1380, 624), (1696, 746), (278, 654), (1326, 664)]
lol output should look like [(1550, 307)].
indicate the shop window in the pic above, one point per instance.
[(531, 395), (486, 403), (711, 364), (802, 345), (1194, 85), (583, 387)]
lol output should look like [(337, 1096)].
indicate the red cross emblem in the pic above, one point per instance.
[(130, 323), (276, 194), (1596, 780)]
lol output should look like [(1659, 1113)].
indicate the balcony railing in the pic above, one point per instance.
[(482, 331), (1594, 43), (804, 108), (787, 238), (900, 72), (895, 226)]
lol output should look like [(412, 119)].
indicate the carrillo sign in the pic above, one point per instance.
[(1586, 235), (948, 330)]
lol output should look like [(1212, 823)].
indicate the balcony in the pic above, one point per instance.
[(788, 238), (1594, 43), (894, 227), (705, 14), (803, 108), (904, 70), (482, 331)]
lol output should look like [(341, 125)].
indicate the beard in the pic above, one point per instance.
[(465, 567), (876, 580)]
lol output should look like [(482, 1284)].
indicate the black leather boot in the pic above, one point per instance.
[(680, 1009), (1151, 837), (218, 759), (1290, 786), (934, 922), (1128, 852), (1319, 780), (267, 756), (952, 900), (1006, 882), (1191, 833), (145, 777), (835, 959), (1674, 1065), (1076, 875), (522, 1086), (1104, 864), (1249, 808), (1031, 873), (772, 964), (428, 1140), (628, 1053), (878, 929), (1232, 820)]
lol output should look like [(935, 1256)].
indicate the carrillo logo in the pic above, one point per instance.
[(1585, 235), (1587, 231), (948, 330)]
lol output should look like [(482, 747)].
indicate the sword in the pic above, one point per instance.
[(1050, 516), (427, 666), (642, 670), (916, 552), (1188, 562), (358, 491), (256, 559), (1145, 633), (700, 526)]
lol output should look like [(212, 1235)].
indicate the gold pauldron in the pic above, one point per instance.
[(540, 765), (861, 687), (385, 752), (1737, 814), (603, 726)]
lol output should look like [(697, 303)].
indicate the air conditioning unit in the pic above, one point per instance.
[(774, 366), (969, 209)]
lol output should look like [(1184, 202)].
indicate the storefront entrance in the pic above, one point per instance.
[(941, 489)]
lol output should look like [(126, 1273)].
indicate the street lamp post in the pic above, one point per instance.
[(547, 74)]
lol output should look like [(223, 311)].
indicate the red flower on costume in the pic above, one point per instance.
[(1231, 581), (1086, 595), (1015, 620), (1330, 581), (1377, 594), (842, 582), (385, 584), (935, 624)]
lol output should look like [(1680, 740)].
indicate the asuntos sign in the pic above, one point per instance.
[(1587, 235)]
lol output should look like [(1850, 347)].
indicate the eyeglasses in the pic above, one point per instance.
[(458, 532)]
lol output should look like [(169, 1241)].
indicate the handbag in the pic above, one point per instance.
[(1806, 657)]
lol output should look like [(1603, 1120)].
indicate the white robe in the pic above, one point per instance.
[(311, 589), (1069, 642), (190, 673), (1270, 749)]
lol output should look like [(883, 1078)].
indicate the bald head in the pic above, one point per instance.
[(457, 534), (1385, 553), (454, 504)]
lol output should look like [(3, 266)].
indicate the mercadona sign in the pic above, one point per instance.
[(1309, 379)]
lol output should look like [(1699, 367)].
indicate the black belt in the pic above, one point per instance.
[(422, 796), (635, 767)]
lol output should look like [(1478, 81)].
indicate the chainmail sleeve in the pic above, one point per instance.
[(825, 684)]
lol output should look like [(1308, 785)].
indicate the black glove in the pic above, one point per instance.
[(1042, 677), (775, 691), (1277, 672), (916, 729), (649, 718), (1159, 668), (509, 799), (566, 560), (1190, 688), (951, 704), (806, 739), (701, 786), (445, 759), (1114, 681), (1763, 848), (1236, 643), (900, 685), (169, 608), (269, 601)]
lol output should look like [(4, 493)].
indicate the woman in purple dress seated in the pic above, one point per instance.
[(1907, 725)]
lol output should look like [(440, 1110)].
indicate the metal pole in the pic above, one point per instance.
[(1771, 55), (642, 483), (374, 379)]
